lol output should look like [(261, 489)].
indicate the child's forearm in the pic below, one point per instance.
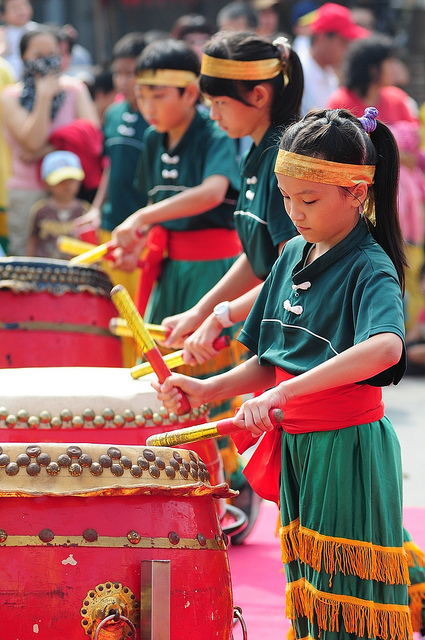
[(248, 377), (357, 363), (191, 202), (238, 280)]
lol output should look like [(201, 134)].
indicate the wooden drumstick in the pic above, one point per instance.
[(204, 431), (76, 247), (101, 251), (73, 246), (128, 310), (93, 255), (119, 327), (174, 359)]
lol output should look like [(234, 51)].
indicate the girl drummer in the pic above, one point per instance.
[(254, 88), (328, 331)]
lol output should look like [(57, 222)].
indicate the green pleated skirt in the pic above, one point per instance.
[(342, 534)]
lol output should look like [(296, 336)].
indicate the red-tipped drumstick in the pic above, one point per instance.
[(204, 431), (128, 310)]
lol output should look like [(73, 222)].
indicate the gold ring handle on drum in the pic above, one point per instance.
[(237, 613), (116, 617)]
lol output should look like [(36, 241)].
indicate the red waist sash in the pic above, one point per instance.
[(204, 244), (329, 410), (332, 409)]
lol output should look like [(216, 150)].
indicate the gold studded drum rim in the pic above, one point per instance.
[(57, 277), (108, 418), (58, 469)]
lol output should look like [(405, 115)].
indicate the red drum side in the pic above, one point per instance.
[(54, 314), (86, 535)]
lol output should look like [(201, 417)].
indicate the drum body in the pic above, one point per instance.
[(54, 314), (92, 404), (90, 532)]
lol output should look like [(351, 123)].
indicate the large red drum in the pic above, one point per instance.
[(92, 404), (55, 314), (110, 542)]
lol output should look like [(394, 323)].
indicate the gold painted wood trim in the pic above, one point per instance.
[(114, 542)]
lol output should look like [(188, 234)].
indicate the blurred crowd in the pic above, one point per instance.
[(71, 131)]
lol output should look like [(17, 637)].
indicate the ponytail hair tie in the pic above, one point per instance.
[(282, 44), (368, 120)]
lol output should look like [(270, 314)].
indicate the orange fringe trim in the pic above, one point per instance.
[(359, 617), (415, 555), (290, 635), (417, 604), (363, 559)]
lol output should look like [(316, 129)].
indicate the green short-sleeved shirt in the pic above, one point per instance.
[(342, 298), (203, 151), (123, 132), (260, 217)]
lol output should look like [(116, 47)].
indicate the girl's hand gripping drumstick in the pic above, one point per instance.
[(128, 310), (175, 359), (204, 431), (77, 248), (101, 251), (119, 327)]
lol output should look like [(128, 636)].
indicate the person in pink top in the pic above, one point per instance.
[(368, 76), (32, 110), (367, 79)]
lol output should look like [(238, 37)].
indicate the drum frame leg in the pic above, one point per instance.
[(155, 600)]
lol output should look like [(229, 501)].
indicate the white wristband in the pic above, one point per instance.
[(222, 313)]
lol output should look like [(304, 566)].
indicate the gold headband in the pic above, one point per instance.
[(241, 69), (166, 77), (295, 165)]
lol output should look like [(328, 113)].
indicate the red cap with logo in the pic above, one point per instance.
[(334, 18)]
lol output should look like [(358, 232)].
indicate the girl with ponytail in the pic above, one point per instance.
[(327, 329)]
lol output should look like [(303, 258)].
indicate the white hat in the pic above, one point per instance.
[(61, 165)]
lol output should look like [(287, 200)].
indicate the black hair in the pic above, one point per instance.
[(65, 35), (129, 46), (41, 29), (338, 136), (286, 104), (102, 81), (168, 54), (235, 11), (363, 61), (191, 23), (152, 35)]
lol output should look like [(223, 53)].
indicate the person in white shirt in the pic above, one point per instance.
[(16, 17), (332, 30)]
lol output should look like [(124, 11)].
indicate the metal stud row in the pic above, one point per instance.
[(33, 460), (66, 419), (56, 279)]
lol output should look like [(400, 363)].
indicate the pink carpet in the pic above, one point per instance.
[(258, 581)]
